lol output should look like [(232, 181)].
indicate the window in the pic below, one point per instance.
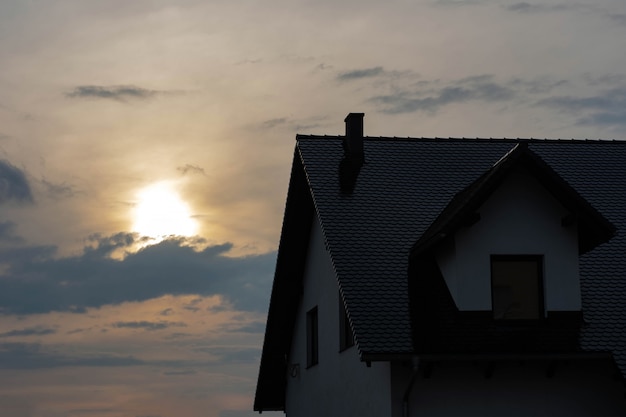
[(346, 338), (517, 287), (312, 351)]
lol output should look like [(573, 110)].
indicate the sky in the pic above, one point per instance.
[(145, 149)]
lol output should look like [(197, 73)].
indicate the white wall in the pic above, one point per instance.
[(340, 384), (520, 217), (516, 388)]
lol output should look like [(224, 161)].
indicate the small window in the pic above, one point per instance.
[(346, 338), (312, 350), (517, 287)]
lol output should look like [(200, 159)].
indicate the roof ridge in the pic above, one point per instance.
[(465, 139)]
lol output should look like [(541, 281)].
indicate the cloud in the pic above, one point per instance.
[(540, 85), (13, 184), (619, 18), (148, 325), (479, 88), (360, 73), (268, 124), (117, 93), (191, 169), (33, 331), (58, 191), (606, 109), (606, 79), (7, 232), (298, 125), (524, 7), (37, 282)]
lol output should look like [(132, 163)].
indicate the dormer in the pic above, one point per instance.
[(509, 243)]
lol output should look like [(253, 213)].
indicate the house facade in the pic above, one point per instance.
[(449, 277)]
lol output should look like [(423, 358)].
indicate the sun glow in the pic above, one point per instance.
[(160, 212)]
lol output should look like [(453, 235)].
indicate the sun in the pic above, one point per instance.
[(160, 212)]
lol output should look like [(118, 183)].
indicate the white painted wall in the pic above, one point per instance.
[(516, 388), (520, 217), (340, 384)]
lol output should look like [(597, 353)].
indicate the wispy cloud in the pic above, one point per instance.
[(360, 73), (148, 325), (525, 7), (58, 191), (298, 125), (13, 184), (121, 93), (479, 88), (607, 108), (619, 18), (191, 169), (271, 123), (33, 331)]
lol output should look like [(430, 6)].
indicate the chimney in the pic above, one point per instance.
[(353, 156), (353, 141)]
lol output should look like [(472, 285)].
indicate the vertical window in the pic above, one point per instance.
[(517, 287), (312, 350), (346, 338)]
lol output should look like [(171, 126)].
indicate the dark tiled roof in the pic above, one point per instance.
[(401, 189), (403, 186)]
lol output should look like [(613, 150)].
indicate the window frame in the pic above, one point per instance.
[(346, 336), (312, 337), (539, 261)]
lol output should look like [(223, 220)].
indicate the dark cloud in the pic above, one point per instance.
[(191, 169), (609, 118), (606, 79), (58, 191), (524, 7), (480, 88), (118, 93), (607, 108), (32, 331), (37, 282), (13, 184), (360, 73), (7, 232), (619, 18), (167, 312), (541, 85), (193, 305), (148, 325)]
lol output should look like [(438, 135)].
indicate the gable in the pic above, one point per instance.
[(520, 217)]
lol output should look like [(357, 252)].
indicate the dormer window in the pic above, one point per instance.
[(517, 287)]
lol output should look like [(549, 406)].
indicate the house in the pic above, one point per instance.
[(447, 277)]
